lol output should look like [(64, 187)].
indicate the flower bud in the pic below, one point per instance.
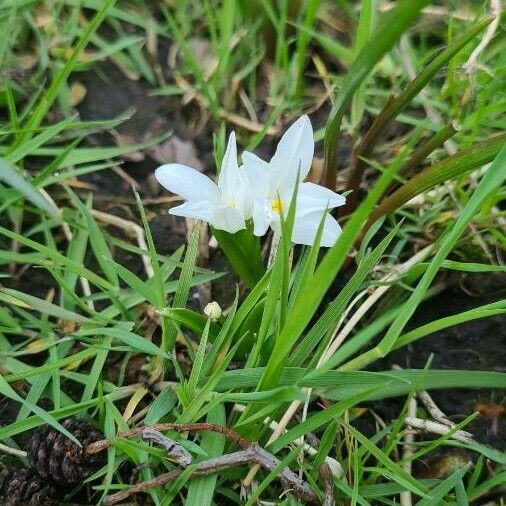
[(213, 310)]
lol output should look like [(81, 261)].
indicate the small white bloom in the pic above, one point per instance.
[(273, 183), (212, 310), (225, 205)]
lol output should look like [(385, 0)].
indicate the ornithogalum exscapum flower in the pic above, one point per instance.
[(259, 190), (225, 205)]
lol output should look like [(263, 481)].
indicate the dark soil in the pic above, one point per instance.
[(475, 345)]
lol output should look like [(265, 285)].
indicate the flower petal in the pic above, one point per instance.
[(294, 154), (187, 182), (262, 215), (228, 180), (313, 196), (202, 210), (258, 173), (227, 219), (306, 227)]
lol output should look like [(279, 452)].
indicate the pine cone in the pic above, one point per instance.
[(24, 487), (55, 456)]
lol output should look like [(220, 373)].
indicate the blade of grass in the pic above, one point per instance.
[(392, 25), (491, 182)]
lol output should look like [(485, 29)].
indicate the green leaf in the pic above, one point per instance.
[(14, 297), (490, 182), (22, 184), (392, 25), (8, 391), (191, 320), (135, 341), (201, 490), (444, 170), (61, 76), (244, 254), (316, 421), (395, 471), (438, 493)]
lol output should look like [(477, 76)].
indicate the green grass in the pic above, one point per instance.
[(98, 318)]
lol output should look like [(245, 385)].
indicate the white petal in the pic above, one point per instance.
[(294, 154), (258, 173), (262, 215), (244, 197), (202, 210), (312, 196), (228, 180), (227, 219), (331, 232), (187, 182), (306, 227)]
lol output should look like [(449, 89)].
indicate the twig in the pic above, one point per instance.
[(252, 454), (101, 445), (12, 451), (174, 450), (438, 428), (333, 464), (431, 406), (328, 482), (433, 409), (409, 438), (471, 65)]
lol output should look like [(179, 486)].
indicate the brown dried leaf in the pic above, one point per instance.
[(77, 93), (123, 139), (316, 172), (176, 150)]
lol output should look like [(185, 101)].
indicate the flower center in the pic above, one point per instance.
[(277, 205)]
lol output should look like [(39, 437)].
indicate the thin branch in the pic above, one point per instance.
[(472, 65), (174, 450), (433, 409), (438, 428), (409, 438), (12, 451), (328, 481), (333, 464), (101, 445), (253, 454)]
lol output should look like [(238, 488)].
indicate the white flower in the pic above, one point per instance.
[(225, 205), (272, 186), (213, 310)]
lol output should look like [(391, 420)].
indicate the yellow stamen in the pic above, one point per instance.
[(277, 205)]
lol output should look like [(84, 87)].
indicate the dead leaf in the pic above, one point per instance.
[(128, 140), (176, 150), (77, 93), (316, 172)]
